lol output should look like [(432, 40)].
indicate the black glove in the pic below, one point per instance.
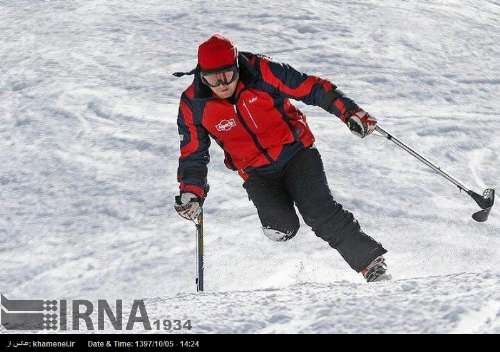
[(188, 205), (361, 123)]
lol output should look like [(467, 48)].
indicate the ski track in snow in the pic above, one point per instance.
[(89, 148)]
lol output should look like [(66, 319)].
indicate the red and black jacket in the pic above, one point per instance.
[(259, 129)]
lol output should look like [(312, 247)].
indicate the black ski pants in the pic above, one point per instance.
[(303, 183)]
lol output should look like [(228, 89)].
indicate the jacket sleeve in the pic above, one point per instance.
[(194, 154), (309, 89)]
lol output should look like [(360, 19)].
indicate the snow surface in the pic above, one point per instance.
[(89, 148)]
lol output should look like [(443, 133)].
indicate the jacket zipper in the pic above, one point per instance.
[(250, 114), (254, 137)]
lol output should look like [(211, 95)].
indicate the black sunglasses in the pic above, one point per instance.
[(215, 79)]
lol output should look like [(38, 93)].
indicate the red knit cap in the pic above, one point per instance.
[(216, 53)]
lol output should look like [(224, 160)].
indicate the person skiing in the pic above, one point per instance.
[(242, 101)]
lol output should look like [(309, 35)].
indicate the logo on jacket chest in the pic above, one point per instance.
[(225, 125)]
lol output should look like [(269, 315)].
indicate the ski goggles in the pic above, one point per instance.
[(225, 77)]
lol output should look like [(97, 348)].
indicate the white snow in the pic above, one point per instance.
[(89, 149)]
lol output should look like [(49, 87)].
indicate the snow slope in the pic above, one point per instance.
[(89, 148), (461, 303)]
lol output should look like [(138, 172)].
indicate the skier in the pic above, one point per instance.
[(242, 101)]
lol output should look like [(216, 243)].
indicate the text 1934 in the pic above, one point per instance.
[(166, 324)]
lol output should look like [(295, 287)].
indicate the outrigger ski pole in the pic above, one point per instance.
[(199, 252), (484, 201)]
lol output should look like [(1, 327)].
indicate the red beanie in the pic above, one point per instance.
[(216, 53)]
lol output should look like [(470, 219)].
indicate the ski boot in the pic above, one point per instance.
[(376, 271)]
